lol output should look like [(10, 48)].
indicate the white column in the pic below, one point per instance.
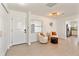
[(28, 27)]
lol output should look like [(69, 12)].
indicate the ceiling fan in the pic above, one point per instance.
[(50, 4)]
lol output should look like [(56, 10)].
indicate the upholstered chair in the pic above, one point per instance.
[(42, 38), (52, 35)]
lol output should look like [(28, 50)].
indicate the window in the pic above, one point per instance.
[(36, 26)]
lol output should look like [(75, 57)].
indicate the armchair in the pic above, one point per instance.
[(53, 38), (42, 37), (53, 34)]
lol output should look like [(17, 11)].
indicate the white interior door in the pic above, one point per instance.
[(19, 35), (36, 26)]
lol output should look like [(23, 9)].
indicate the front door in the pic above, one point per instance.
[(18, 30)]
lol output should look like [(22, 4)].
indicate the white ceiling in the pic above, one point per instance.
[(67, 9)]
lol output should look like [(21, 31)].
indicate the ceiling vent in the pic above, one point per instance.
[(50, 4)]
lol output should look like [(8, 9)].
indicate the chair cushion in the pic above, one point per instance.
[(54, 33), (42, 34)]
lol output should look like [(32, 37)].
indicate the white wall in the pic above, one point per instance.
[(60, 26), (46, 21), (4, 30)]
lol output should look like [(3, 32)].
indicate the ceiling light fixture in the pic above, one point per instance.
[(55, 14)]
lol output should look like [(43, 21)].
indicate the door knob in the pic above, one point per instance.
[(24, 30)]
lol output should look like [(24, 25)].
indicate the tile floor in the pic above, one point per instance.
[(65, 48)]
